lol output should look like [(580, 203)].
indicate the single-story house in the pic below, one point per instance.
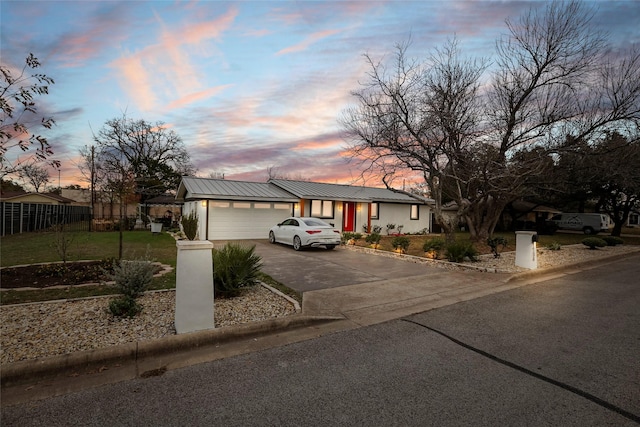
[(43, 198), (229, 210)]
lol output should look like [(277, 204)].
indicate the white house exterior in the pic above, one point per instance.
[(232, 210)]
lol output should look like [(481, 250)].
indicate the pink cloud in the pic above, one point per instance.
[(197, 96), (171, 65), (100, 31), (303, 45)]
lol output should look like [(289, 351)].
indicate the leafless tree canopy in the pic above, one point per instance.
[(35, 176), (19, 116), (479, 134), (152, 155)]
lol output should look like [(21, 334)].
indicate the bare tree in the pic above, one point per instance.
[(35, 175), (551, 79), (275, 172), (417, 117), (155, 155), (20, 116)]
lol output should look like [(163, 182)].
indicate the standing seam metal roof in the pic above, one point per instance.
[(207, 188), (317, 190)]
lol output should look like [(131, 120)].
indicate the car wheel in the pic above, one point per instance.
[(331, 247), (588, 230), (297, 244), (272, 237)]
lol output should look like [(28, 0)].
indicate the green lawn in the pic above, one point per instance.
[(31, 248)]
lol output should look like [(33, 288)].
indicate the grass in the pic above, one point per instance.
[(33, 248), (417, 241)]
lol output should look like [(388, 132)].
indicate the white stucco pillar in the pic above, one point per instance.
[(194, 286), (526, 254)]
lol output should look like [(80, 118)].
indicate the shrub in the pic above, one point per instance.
[(356, 236), (376, 229), (132, 277), (594, 242), (497, 244), (436, 245), (401, 242), (373, 238), (190, 225), (554, 246), (124, 307), (458, 251), (346, 236), (612, 240), (390, 227), (235, 267)]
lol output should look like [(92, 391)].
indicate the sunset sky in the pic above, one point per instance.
[(247, 85)]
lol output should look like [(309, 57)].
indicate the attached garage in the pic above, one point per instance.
[(244, 220), (233, 210)]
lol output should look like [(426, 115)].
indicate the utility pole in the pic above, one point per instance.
[(93, 185)]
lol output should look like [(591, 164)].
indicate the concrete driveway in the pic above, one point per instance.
[(317, 268)]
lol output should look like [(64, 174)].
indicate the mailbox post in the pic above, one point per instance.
[(526, 254)]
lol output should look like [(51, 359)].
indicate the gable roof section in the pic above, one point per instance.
[(221, 189), (317, 190), (17, 195)]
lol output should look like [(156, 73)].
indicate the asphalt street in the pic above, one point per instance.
[(560, 352)]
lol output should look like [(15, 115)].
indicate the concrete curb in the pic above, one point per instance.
[(569, 267), (136, 353)]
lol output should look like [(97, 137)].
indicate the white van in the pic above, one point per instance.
[(589, 223)]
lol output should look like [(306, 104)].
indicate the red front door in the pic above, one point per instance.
[(348, 216)]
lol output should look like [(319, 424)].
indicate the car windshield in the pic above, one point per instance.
[(312, 222)]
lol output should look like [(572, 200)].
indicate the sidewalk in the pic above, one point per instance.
[(323, 312)]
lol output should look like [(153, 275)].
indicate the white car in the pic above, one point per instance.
[(303, 232)]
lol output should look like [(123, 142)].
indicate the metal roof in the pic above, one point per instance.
[(317, 190), (221, 189)]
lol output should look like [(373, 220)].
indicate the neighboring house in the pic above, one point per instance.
[(106, 205), (634, 219), (163, 207), (246, 210), (44, 198), (23, 212)]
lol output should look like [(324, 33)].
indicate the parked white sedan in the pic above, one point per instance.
[(304, 232)]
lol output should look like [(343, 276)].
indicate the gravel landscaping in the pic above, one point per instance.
[(30, 331)]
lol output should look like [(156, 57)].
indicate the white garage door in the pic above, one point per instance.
[(244, 220)]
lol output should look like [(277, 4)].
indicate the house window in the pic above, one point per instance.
[(415, 212), (322, 208), (375, 211), (634, 219)]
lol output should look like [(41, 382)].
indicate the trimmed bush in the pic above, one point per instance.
[(124, 307), (612, 240), (373, 238), (190, 225), (132, 278), (234, 268), (401, 242), (435, 245), (594, 242), (458, 251)]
